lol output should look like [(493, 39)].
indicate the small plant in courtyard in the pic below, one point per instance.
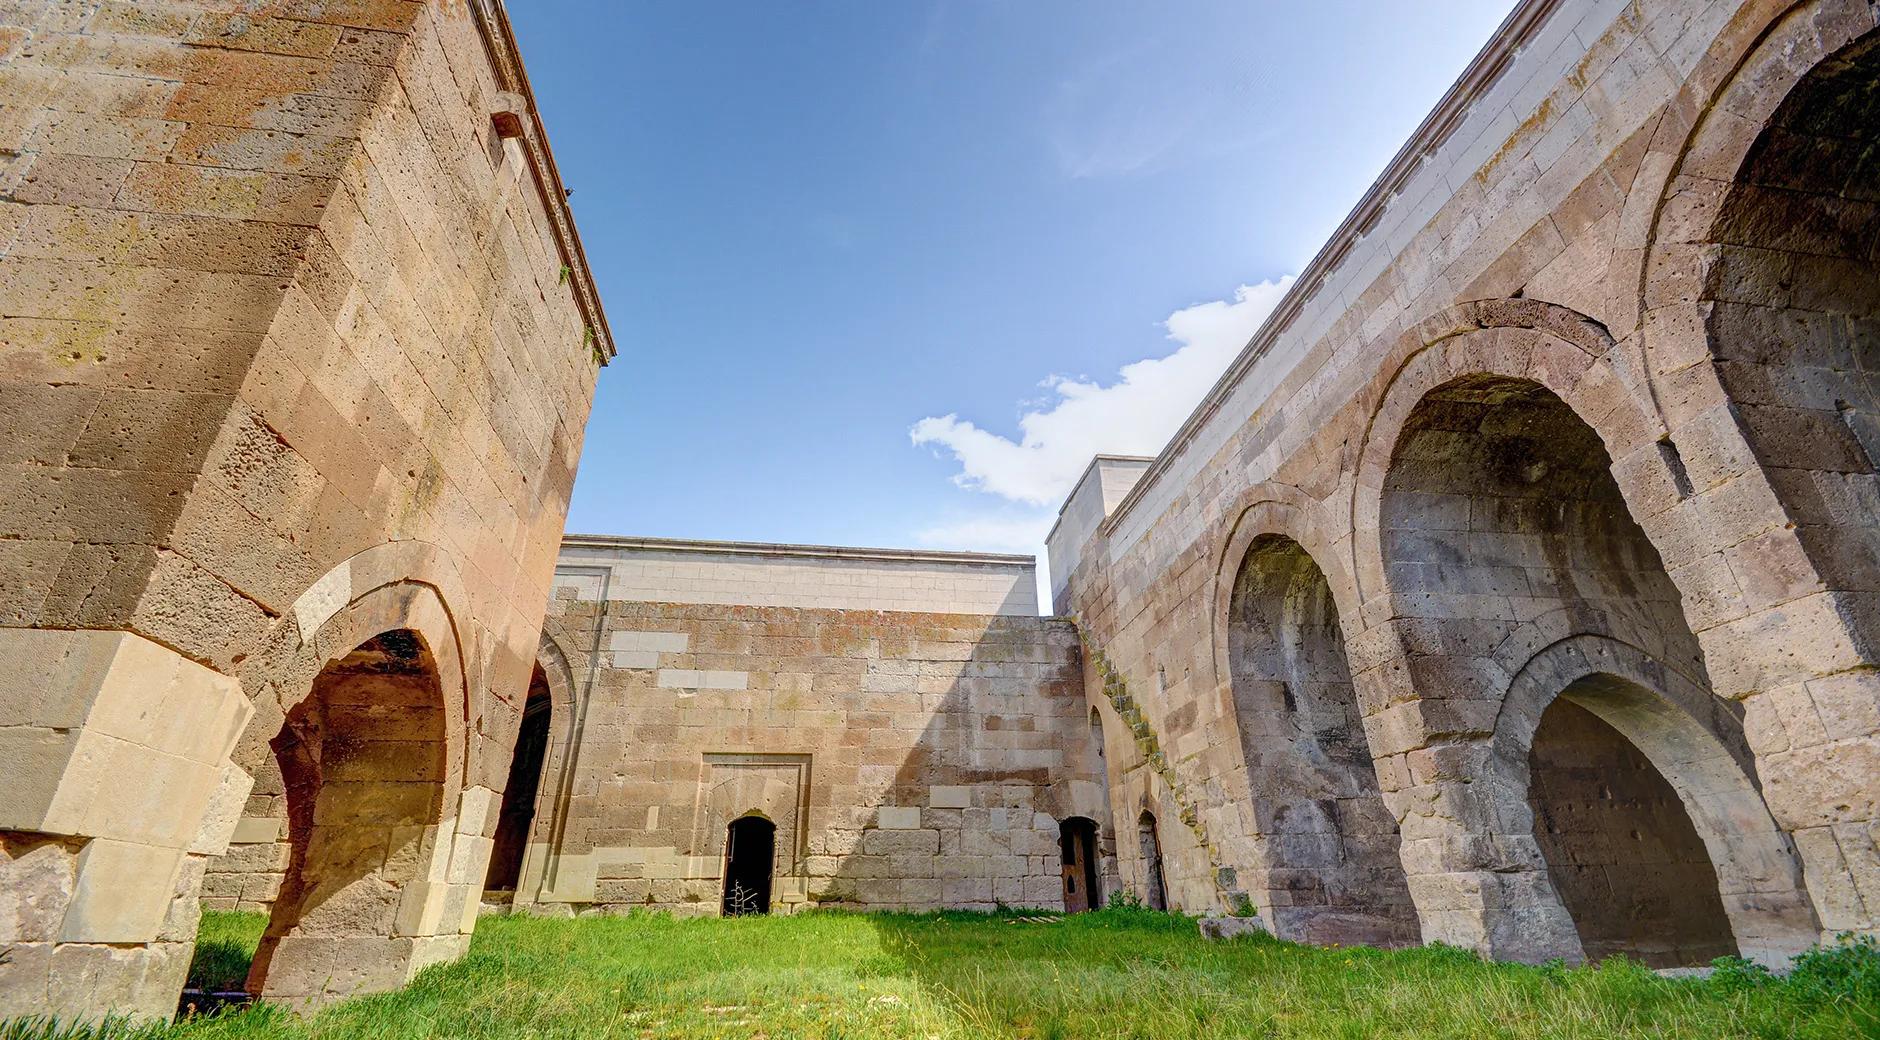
[(1125, 899), (1848, 972), (741, 901)]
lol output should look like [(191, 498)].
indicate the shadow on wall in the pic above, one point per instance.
[(973, 815), (1621, 851), (1331, 869), (362, 759), (527, 765), (905, 760)]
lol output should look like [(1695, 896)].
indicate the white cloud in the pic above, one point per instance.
[(1017, 533), (1135, 415)]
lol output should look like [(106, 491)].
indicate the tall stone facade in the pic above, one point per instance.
[(915, 734), (1515, 588), (297, 349), (1563, 450), (914, 731)]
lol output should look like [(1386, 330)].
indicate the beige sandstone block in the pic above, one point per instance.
[(950, 797), (84, 977), (148, 735), (421, 908), (572, 878), (47, 677), (322, 600), (219, 823), (473, 814), (122, 894), (309, 969), (163, 805), (256, 830), (471, 859), (436, 846), (36, 887), (892, 817), (32, 767)]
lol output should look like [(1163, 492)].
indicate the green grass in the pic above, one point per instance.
[(224, 947), (1117, 973)]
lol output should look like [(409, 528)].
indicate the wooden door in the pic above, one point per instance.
[(1075, 845)]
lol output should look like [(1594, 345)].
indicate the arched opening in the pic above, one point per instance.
[(1155, 892), (1333, 874), (1649, 824), (362, 760), (1077, 849), (1622, 851), (1499, 496), (1793, 310), (1503, 531), (514, 821), (750, 857)]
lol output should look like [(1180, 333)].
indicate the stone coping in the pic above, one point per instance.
[(785, 549), (1083, 478), (499, 40)]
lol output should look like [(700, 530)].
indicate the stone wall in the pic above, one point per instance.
[(1573, 396), (298, 349), (751, 574), (909, 759)]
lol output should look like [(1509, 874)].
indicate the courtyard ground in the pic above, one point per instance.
[(1117, 973)]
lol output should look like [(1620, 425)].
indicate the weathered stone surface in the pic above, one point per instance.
[(1586, 371), (910, 759), (280, 305), (1578, 406), (1217, 927)]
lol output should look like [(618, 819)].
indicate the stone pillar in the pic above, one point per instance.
[(1776, 579), (115, 789), (1811, 701), (348, 952), (1475, 872)]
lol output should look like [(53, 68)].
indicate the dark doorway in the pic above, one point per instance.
[(525, 778), (1077, 844), (750, 849), (1156, 893)]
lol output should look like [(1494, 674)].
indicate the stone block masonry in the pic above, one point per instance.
[(1571, 411), (907, 758), (297, 345), (1539, 516), (663, 570)]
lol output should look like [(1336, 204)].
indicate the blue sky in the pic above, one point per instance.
[(887, 273)]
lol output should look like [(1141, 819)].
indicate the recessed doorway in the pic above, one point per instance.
[(750, 852), (1077, 845)]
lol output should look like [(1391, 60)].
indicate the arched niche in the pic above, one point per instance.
[(364, 759), (1625, 733), (1331, 868)]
